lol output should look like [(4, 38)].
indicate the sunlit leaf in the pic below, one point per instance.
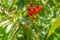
[(54, 25)]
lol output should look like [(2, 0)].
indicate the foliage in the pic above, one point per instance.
[(14, 25)]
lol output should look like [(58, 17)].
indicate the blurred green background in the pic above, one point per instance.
[(15, 26)]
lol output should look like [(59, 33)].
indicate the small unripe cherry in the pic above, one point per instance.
[(31, 21), (26, 27)]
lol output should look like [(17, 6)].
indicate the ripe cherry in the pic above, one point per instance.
[(28, 9), (35, 10), (40, 7), (27, 15), (34, 17), (31, 4), (31, 12)]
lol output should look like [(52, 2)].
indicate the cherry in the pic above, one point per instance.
[(31, 4), (35, 10), (27, 15), (34, 17), (26, 27), (31, 12), (28, 9), (40, 7)]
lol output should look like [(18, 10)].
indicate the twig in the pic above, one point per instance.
[(8, 13), (16, 30), (13, 11), (4, 11)]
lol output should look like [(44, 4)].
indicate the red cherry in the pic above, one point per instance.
[(31, 4), (40, 7), (27, 15), (35, 10), (34, 17), (37, 6), (28, 8), (31, 12)]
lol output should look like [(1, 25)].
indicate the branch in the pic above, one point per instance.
[(13, 11), (4, 11), (16, 30), (7, 13)]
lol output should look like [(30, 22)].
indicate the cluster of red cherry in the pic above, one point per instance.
[(32, 11)]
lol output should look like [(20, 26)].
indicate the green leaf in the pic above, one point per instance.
[(54, 25), (20, 4), (4, 22), (55, 38)]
